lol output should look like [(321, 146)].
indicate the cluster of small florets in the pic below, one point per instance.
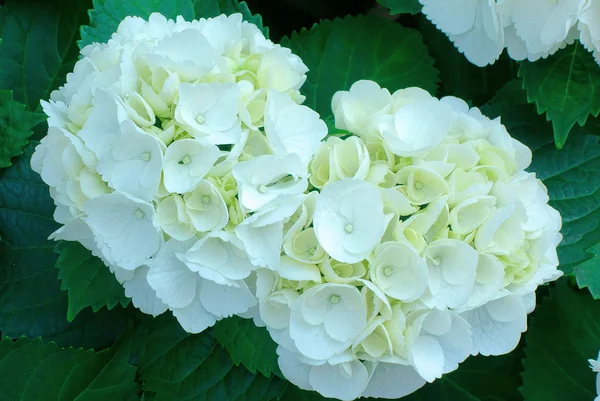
[(425, 245), (528, 29), (165, 146)]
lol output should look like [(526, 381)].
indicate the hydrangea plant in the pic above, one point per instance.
[(195, 207)]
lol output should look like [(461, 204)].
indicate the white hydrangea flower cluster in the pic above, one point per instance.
[(424, 244), (528, 29), (595, 366), (167, 147)]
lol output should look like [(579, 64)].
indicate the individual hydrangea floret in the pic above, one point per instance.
[(168, 149), (423, 242)]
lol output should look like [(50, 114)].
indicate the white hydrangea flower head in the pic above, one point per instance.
[(421, 242), (531, 30), (176, 152)]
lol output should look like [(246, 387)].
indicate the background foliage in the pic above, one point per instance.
[(69, 333)]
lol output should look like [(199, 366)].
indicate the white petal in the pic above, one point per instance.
[(497, 326), (293, 369), (349, 219), (125, 227), (336, 381), (142, 295), (390, 380), (103, 126), (187, 161), (173, 282), (291, 128), (194, 318), (224, 300), (428, 358)]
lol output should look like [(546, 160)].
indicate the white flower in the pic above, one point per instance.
[(264, 178), (103, 126), (452, 267), (496, 327), (135, 163), (349, 220), (173, 218), (262, 233), (206, 208), (291, 128), (125, 228), (186, 163), (422, 185), (195, 302), (186, 53), (345, 380), (399, 271), (142, 295), (219, 257), (443, 341), (357, 109), (417, 127), (326, 319), (304, 247), (160, 90), (349, 159), (209, 111), (391, 380), (502, 232), (281, 70)]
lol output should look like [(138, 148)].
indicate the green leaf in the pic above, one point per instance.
[(248, 344), (458, 76), (107, 14), (564, 335), (87, 279), (402, 6), (38, 46), (588, 272), (31, 301), (32, 370), (565, 86), (16, 123), (175, 365), (343, 51)]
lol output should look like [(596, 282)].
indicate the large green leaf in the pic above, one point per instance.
[(16, 123), (565, 86), (343, 51), (402, 6), (32, 371), (31, 301), (459, 77), (38, 46), (572, 176), (87, 279), (175, 365), (248, 344), (107, 14), (564, 335)]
